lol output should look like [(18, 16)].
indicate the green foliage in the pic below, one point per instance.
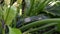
[(40, 23), (55, 10), (9, 16), (14, 31), (36, 7)]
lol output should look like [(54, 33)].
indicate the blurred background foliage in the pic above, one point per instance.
[(29, 16)]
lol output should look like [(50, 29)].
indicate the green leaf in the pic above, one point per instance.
[(1, 12), (50, 31), (42, 27), (35, 6), (55, 9), (0, 24), (9, 14), (14, 31), (40, 22)]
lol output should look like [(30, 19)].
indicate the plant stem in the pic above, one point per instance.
[(40, 23), (42, 27)]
